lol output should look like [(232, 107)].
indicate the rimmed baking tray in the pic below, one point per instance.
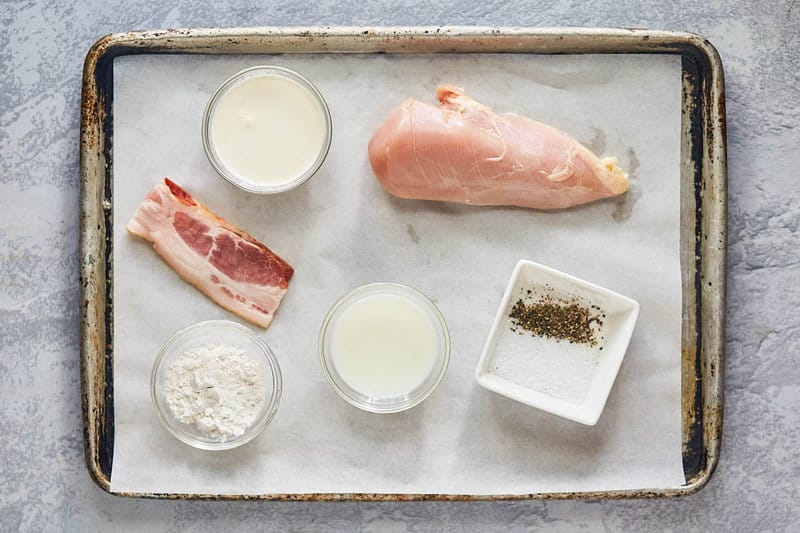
[(703, 212)]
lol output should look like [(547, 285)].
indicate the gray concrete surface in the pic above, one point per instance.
[(44, 485)]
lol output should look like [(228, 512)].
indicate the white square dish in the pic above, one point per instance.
[(566, 379)]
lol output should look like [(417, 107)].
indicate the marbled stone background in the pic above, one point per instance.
[(44, 485)]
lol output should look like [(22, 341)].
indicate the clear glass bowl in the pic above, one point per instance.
[(240, 181), (208, 333), (393, 404)]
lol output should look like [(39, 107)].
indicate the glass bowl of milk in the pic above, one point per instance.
[(384, 347), (267, 129)]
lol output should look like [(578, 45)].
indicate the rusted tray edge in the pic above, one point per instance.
[(706, 170)]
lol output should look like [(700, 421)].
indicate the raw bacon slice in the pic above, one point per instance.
[(462, 151), (223, 262)]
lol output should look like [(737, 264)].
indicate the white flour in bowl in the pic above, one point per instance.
[(216, 389)]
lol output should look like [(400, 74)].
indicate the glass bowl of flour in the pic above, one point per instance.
[(215, 385)]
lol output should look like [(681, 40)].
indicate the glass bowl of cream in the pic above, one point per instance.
[(384, 347), (267, 129), (216, 385)]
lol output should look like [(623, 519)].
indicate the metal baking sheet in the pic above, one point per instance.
[(702, 205)]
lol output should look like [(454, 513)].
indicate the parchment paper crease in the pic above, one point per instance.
[(341, 230)]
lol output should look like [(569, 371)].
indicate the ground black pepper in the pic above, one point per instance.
[(556, 318)]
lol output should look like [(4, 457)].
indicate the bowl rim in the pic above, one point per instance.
[(271, 404), (360, 292), (239, 181)]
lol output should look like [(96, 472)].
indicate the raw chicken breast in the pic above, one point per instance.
[(462, 151), (225, 263)]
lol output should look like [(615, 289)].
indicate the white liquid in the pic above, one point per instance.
[(383, 346), (267, 130)]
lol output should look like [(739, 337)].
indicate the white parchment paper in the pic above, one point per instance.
[(341, 230)]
